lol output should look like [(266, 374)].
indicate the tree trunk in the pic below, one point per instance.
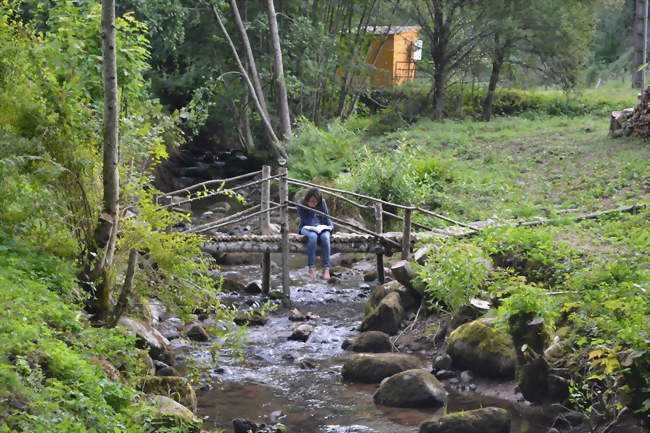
[(255, 77), (278, 70), (268, 128), (640, 43), (497, 63), (106, 232), (439, 79)]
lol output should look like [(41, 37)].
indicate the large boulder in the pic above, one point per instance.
[(485, 420), (175, 387), (149, 338), (387, 317), (168, 413), (369, 341), (481, 347), (411, 388), (373, 368)]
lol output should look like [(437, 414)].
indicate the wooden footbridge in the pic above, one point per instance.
[(274, 239)]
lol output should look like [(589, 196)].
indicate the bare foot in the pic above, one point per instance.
[(326, 274), (312, 273)]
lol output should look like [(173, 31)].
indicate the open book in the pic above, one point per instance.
[(319, 228)]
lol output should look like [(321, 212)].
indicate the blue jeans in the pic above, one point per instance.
[(312, 240)]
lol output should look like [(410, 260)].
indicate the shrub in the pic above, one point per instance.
[(321, 153), (532, 253), (453, 274)]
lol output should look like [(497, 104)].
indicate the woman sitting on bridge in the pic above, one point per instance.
[(309, 222)]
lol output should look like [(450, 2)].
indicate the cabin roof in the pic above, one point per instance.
[(391, 30)]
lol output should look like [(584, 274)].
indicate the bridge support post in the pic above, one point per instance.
[(379, 228), (284, 230), (265, 223), (406, 234)]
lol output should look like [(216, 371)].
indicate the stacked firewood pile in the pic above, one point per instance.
[(633, 122)]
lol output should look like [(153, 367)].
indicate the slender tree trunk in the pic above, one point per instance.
[(120, 307), (439, 80), (497, 63), (640, 43), (248, 51), (268, 128), (278, 70), (246, 126), (106, 232)]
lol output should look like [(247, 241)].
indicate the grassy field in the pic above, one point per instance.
[(518, 168)]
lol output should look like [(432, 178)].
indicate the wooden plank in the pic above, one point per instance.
[(379, 228), (265, 223), (284, 231), (406, 235)]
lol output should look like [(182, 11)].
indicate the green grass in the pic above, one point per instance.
[(518, 168)]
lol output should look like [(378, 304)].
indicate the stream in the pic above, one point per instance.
[(299, 384)]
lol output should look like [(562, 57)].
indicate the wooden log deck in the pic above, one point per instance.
[(340, 242)]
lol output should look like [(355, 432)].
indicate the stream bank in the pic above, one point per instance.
[(299, 384)]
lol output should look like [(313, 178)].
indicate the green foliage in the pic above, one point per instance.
[(532, 253), (317, 153), (614, 306), (49, 381), (453, 274), (400, 175), (520, 297), (407, 104)]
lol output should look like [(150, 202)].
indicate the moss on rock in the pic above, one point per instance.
[(481, 347)]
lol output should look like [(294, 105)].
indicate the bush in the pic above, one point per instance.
[(321, 153), (401, 175), (453, 274), (532, 253)]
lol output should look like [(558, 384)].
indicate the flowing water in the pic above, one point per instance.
[(299, 384)]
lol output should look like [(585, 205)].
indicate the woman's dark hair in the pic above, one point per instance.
[(313, 192)]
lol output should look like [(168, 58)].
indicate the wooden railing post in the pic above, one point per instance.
[(406, 234), (265, 224), (379, 229), (284, 230)]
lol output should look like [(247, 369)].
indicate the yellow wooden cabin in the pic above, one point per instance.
[(394, 52)]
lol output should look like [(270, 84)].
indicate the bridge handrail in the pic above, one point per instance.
[(333, 191), (206, 183), (218, 192)]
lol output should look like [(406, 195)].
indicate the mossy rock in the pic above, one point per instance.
[(167, 413), (380, 292), (387, 317), (486, 420), (175, 387), (411, 388), (373, 368), (481, 347), (370, 341)]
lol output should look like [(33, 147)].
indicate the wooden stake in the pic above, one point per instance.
[(406, 236), (379, 228), (265, 223), (284, 231)]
